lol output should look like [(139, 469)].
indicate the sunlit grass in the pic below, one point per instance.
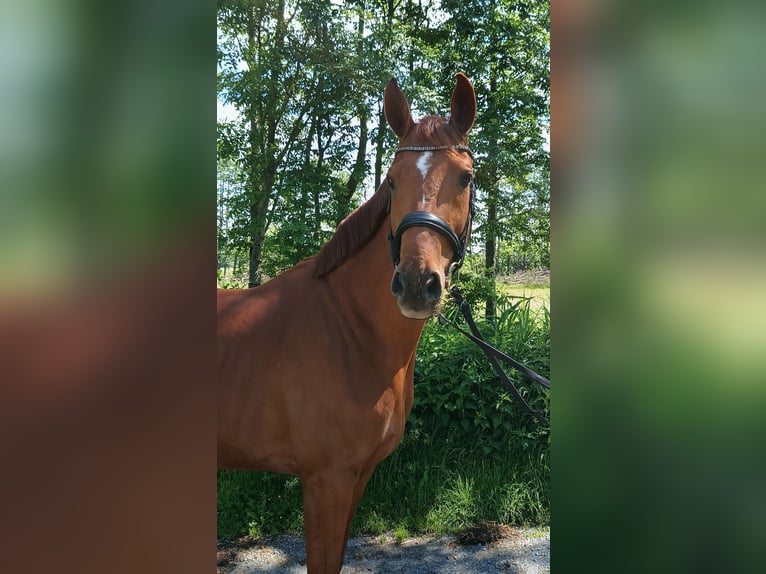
[(539, 295)]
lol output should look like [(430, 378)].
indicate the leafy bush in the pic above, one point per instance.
[(475, 285), (460, 398), (258, 503)]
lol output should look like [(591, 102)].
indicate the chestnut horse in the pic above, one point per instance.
[(316, 365)]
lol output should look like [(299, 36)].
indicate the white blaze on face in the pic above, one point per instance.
[(423, 165)]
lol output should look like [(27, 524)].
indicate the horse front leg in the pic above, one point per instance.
[(361, 484), (328, 500)]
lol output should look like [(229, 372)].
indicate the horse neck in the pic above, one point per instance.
[(364, 282)]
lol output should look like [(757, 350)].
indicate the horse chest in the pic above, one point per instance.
[(390, 415)]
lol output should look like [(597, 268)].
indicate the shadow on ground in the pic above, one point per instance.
[(524, 551)]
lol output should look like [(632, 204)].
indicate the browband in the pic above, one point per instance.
[(434, 148)]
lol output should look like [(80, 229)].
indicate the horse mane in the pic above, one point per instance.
[(353, 232), (433, 130)]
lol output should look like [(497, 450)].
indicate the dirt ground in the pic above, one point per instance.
[(481, 550)]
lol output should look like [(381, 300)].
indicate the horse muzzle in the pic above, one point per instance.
[(418, 291)]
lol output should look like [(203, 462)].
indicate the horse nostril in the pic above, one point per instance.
[(397, 285), (434, 287)]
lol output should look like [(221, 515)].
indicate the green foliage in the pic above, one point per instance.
[(231, 281), (258, 503), (307, 80), (455, 507), (436, 486), (473, 281), (461, 398), (524, 227), (401, 533)]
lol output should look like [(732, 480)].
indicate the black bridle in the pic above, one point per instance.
[(427, 219)]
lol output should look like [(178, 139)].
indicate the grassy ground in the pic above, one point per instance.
[(531, 284), (424, 487), (429, 486), (540, 296)]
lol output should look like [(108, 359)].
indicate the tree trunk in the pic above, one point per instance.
[(319, 167), (357, 172), (490, 228), (382, 126), (263, 152), (490, 254), (362, 113), (258, 213)]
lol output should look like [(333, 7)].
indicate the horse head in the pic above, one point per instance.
[(431, 188)]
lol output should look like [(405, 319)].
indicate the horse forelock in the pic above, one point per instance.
[(353, 232), (433, 130)]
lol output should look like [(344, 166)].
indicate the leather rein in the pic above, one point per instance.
[(427, 219)]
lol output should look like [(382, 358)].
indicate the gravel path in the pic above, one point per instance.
[(519, 551)]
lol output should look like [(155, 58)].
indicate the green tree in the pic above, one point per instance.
[(298, 72), (307, 79), (504, 47)]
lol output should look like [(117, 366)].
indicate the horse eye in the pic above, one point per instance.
[(466, 179)]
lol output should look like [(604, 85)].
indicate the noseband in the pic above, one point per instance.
[(427, 219)]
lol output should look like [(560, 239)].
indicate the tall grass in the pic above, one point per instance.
[(430, 486), (422, 488), (469, 452)]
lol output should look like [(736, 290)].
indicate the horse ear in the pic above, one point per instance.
[(463, 106), (397, 109)]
